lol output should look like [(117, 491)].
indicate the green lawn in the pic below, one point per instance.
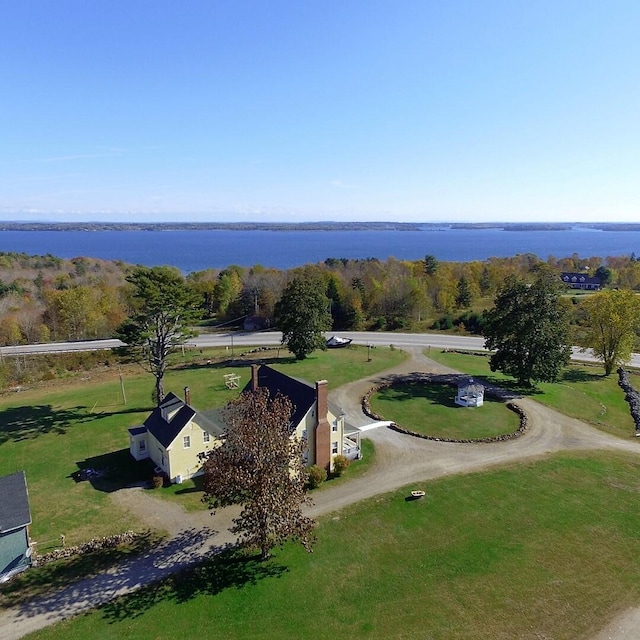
[(544, 549), (430, 409), (582, 391), (52, 431)]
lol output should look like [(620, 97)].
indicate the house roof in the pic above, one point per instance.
[(167, 420), (301, 394), (14, 506), (163, 428)]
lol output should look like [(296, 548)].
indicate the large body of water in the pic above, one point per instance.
[(199, 250)]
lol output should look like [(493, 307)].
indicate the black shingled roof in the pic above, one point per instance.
[(166, 432), (301, 395), (14, 506)]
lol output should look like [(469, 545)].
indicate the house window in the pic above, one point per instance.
[(142, 446), (186, 442), (206, 436), (335, 426), (304, 434), (334, 447)]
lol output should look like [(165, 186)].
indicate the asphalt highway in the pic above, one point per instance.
[(234, 341)]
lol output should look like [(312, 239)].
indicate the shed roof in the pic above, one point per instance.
[(14, 506)]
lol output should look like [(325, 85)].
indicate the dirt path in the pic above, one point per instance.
[(400, 460)]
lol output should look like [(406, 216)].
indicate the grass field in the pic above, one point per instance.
[(544, 549), (582, 391), (52, 430), (430, 409)]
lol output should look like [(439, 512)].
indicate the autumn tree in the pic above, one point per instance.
[(528, 329), (302, 314), (260, 466), (613, 320), (163, 310)]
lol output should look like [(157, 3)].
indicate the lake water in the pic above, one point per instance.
[(199, 250)]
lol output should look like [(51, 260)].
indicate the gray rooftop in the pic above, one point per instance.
[(14, 505)]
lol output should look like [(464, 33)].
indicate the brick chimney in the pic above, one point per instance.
[(254, 376), (323, 428), (187, 395)]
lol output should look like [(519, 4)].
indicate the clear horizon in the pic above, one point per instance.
[(283, 112)]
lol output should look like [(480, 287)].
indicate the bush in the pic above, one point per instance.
[(157, 482), (317, 475), (340, 464)]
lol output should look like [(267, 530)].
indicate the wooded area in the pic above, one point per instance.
[(46, 298)]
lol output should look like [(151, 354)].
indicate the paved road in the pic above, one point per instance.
[(401, 460), (235, 341)]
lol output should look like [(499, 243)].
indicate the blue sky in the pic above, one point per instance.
[(407, 110)]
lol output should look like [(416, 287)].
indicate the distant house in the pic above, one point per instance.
[(581, 281), (470, 394), (319, 422), (15, 518), (173, 436)]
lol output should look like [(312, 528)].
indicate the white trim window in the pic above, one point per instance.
[(206, 436), (334, 447), (186, 442)]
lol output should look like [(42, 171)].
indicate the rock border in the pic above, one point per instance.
[(97, 544), (631, 396), (451, 380)]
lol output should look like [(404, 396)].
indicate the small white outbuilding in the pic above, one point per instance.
[(470, 394)]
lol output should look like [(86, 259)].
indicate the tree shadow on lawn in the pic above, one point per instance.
[(498, 388), (42, 580), (580, 375), (176, 570), (112, 471), (230, 569), (29, 422), (243, 362), (198, 481), (440, 394)]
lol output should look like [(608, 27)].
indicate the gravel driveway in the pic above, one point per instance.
[(400, 460)]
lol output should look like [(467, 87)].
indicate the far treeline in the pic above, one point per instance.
[(46, 298)]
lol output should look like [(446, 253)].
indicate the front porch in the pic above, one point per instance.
[(351, 443)]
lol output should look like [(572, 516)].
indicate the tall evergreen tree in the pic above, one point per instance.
[(302, 314), (164, 308), (430, 265), (463, 295), (528, 329)]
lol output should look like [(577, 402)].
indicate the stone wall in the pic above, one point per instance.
[(97, 544), (631, 396)]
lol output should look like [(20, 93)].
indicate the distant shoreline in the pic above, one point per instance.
[(309, 226)]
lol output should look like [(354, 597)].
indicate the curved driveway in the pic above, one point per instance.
[(400, 461)]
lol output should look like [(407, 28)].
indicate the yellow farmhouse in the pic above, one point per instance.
[(175, 434)]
